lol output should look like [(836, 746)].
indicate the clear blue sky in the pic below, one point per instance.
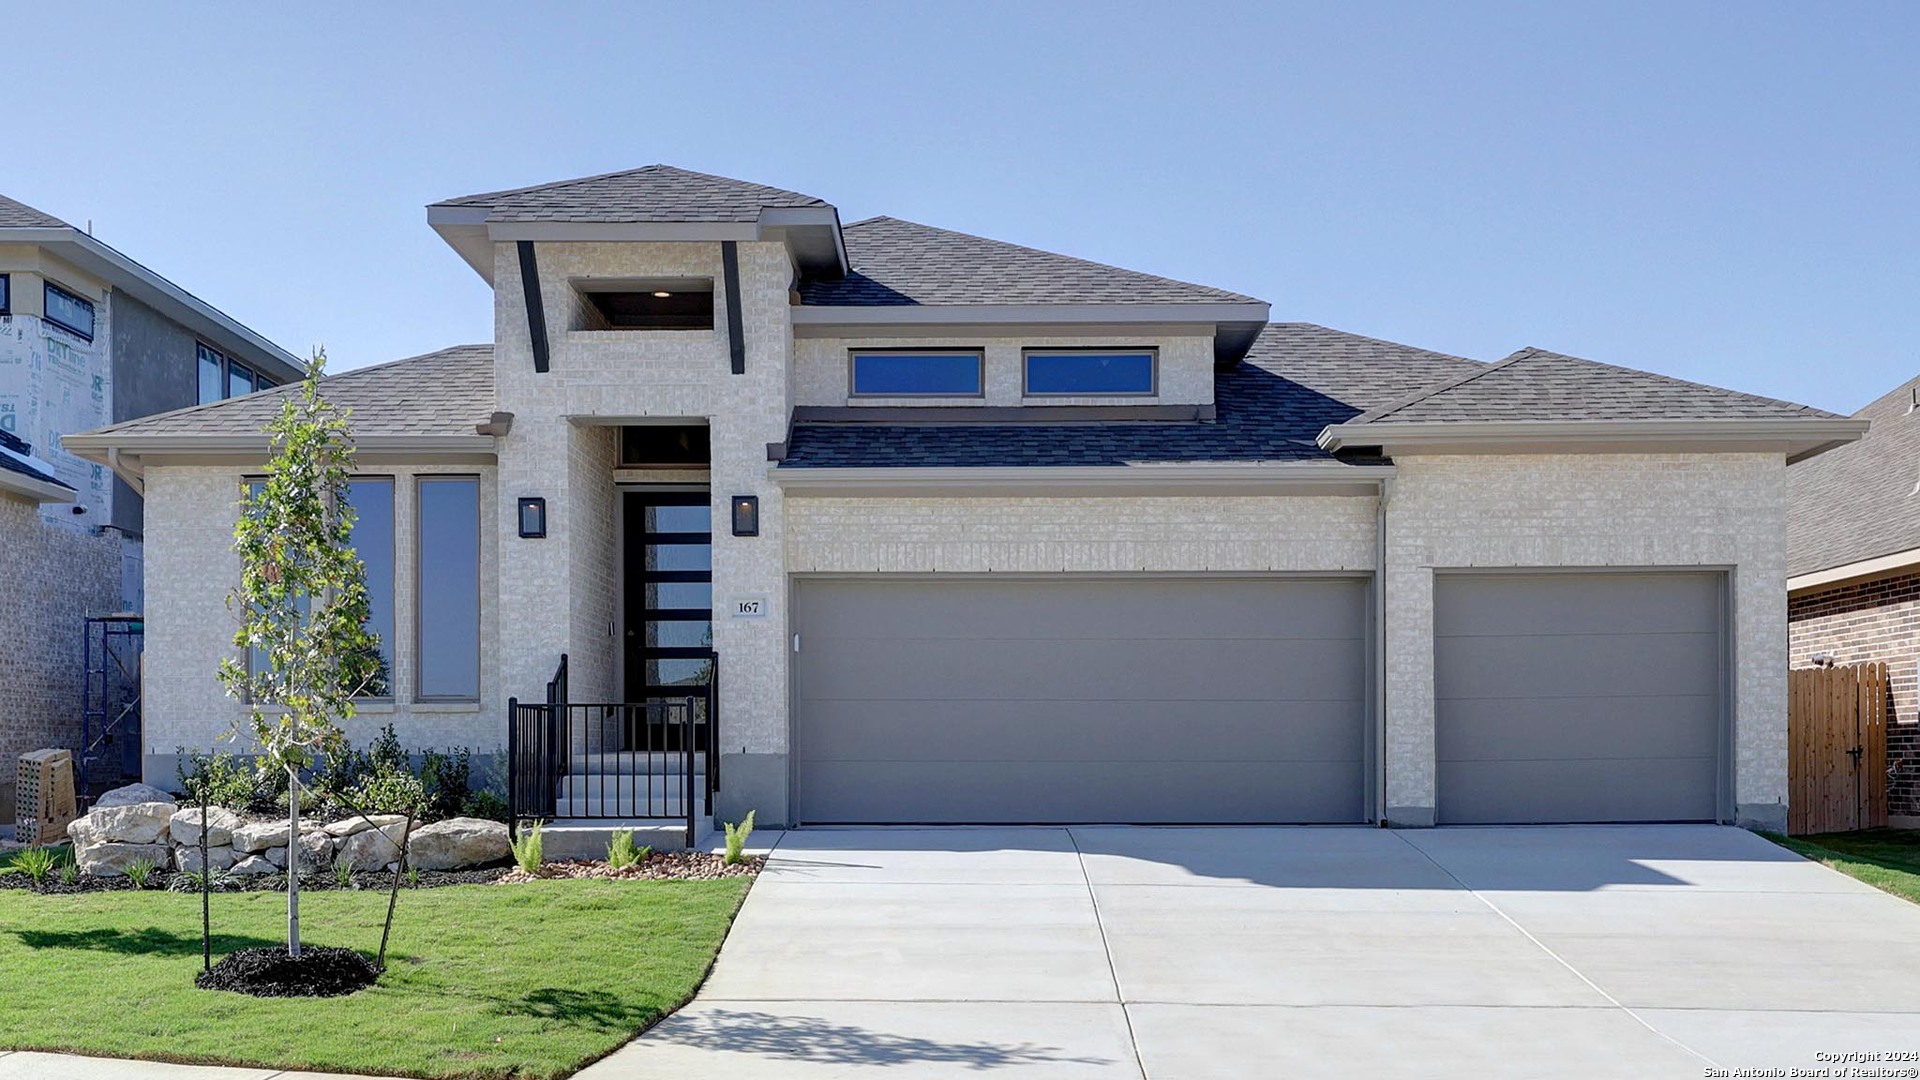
[(1725, 192)]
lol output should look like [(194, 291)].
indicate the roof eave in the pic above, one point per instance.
[(1796, 437), (129, 452), (1159, 479), (1235, 326), (1862, 568), (122, 272), (46, 491), (811, 233)]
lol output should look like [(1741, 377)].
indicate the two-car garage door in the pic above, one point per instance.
[(1063, 699)]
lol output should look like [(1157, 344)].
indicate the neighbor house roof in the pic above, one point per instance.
[(652, 193), (1297, 379), (903, 263), (22, 224), (18, 215), (446, 392), (1537, 385), (29, 477), (1861, 501)]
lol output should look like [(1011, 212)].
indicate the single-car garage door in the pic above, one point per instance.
[(1567, 697), (1063, 699)]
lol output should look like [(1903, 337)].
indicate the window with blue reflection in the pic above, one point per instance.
[(212, 374), (917, 374), (373, 533), (1073, 374), (239, 380), (69, 312), (448, 561)]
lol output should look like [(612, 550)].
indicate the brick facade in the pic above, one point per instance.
[(54, 576), (1875, 619)]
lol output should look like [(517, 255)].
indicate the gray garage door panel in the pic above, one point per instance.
[(1063, 699), (1571, 697)]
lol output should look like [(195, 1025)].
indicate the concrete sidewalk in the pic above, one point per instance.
[(33, 1065)]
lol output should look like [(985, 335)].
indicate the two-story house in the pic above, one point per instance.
[(953, 530), (87, 337)]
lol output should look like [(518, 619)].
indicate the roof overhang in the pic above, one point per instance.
[(1878, 565), (1233, 326), (1212, 479), (1797, 438), (32, 487), (214, 326), (128, 455), (811, 233)]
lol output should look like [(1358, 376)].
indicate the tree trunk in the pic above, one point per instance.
[(293, 863)]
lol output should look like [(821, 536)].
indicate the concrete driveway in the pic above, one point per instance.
[(1189, 953)]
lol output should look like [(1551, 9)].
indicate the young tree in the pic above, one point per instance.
[(301, 602)]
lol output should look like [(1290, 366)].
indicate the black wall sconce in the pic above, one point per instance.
[(746, 515), (533, 518)]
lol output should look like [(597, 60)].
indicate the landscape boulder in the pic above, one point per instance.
[(458, 843), (348, 826), (188, 858), (373, 849), (260, 835), (184, 826), (131, 794), (254, 866), (130, 823), (109, 859)]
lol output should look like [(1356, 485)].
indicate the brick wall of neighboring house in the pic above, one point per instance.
[(1859, 621), (51, 577)]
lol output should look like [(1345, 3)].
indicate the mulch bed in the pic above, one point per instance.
[(268, 971), (661, 866), (376, 879)]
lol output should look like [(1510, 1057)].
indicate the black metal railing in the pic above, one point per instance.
[(644, 760)]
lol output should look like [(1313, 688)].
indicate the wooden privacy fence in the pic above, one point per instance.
[(1837, 748)]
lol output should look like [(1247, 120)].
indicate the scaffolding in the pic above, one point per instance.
[(110, 702)]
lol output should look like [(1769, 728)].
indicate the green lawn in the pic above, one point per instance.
[(529, 980), (1887, 859)]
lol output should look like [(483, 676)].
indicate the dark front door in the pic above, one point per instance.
[(668, 604)]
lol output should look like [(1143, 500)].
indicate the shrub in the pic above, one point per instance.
[(526, 849), (486, 805), (444, 779), (737, 838), (139, 870), (385, 791), (229, 781), (37, 863)]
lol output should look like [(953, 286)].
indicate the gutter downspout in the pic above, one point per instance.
[(1380, 652)]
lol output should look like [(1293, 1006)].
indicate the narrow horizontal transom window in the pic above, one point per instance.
[(69, 312), (1091, 373), (946, 373)]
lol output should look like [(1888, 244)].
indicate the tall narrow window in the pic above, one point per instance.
[(213, 374), (6, 295), (239, 380), (373, 534), (448, 561)]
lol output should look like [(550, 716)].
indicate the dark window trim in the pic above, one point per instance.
[(979, 355), (46, 309), (227, 364), (1152, 352), (393, 555), (420, 482), (6, 294)]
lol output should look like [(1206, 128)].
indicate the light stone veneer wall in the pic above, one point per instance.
[(1084, 535), (557, 592), (1724, 510), (1185, 368), (190, 569)]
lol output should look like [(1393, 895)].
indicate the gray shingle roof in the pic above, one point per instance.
[(17, 215), (904, 263), (1862, 500), (438, 393), (1297, 379), (1537, 385), (651, 193)]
